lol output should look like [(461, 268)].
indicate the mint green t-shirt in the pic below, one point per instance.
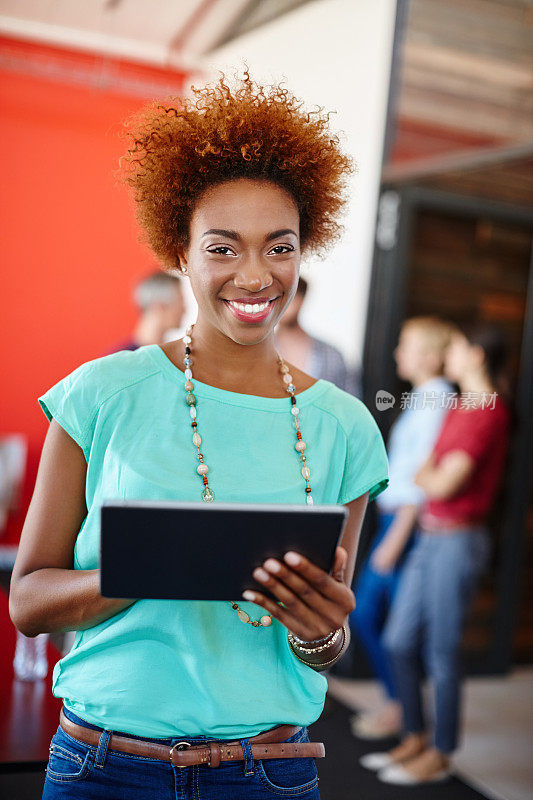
[(164, 668)]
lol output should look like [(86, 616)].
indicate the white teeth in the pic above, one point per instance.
[(248, 308)]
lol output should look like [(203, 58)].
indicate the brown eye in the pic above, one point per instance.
[(219, 248), (282, 247)]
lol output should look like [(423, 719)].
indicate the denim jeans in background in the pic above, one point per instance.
[(426, 621), (78, 770), (374, 593)]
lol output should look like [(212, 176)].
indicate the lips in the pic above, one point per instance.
[(251, 310)]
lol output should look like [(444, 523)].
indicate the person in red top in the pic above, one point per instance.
[(476, 438), (461, 479)]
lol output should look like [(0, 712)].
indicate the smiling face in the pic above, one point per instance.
[(243, 257)]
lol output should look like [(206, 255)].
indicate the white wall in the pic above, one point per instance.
[(334, 53)]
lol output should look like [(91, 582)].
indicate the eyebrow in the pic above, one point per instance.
[(234, 235)]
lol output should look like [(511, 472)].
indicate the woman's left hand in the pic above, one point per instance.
[(314, 602)]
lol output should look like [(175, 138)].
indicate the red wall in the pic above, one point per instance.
[(70, 250)]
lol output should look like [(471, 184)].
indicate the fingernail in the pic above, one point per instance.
[(273, 566), (248, 595), (292, 558), (260, 574)]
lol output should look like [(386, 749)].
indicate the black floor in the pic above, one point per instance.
[(341, 777)]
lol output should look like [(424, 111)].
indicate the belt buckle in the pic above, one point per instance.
[(180, 746)]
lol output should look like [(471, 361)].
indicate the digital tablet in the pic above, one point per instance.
[(196, 551)]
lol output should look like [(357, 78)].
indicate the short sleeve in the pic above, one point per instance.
[(481, 435), (366, 468), (72, 403)]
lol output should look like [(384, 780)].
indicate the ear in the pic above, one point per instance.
[(182, 257)]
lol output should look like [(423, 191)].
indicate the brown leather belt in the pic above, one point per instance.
[(269, 744)]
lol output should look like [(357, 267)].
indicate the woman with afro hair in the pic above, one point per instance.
[(203, 699)]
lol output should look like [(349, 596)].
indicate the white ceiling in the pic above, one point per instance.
[(176, 32)]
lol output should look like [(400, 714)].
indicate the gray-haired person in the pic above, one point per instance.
[(317, 358), (159, 299)]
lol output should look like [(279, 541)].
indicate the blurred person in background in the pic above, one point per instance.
[(159, 299), (461, 478), (317, 358), (419, 358)]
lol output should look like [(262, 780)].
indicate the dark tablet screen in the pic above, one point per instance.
[(195, 551)]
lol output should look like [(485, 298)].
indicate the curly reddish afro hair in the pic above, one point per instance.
[(180, 148)]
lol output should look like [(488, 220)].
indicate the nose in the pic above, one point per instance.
[(253, 276)]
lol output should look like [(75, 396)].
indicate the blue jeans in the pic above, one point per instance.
[(425, 625), (374, 593), (78, 770)]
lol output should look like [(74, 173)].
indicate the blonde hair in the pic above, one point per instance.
[(437, 332)]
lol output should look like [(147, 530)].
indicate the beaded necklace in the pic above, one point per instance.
[(202, 469)]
